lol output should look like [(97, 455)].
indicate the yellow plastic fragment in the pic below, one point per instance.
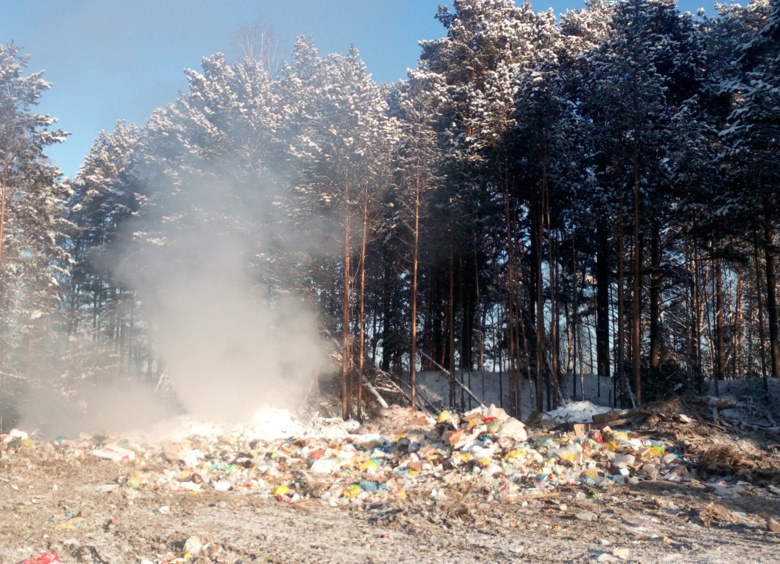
[(352, 491), (443, 416), (134, 480), (649, 454), (370, 463), (281, 490), (619, 436), (70, 523)]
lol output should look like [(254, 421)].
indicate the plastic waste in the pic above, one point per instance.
[(193, 545), (45, 558), (513, 429), (323, 466), (281, 490), (114, 452)]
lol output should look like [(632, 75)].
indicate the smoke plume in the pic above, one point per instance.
[(230, 343)]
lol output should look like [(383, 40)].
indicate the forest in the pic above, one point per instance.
[(542, 197)]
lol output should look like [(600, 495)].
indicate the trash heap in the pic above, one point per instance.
[(484, 452)]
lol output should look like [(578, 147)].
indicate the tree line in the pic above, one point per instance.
[(541, 197)]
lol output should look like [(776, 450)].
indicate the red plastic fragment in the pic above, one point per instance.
[(45, 558)]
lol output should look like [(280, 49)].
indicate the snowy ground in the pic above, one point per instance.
[(493, 388)]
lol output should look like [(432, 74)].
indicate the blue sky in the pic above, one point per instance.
[(121, 59)]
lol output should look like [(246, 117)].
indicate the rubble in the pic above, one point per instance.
[(483, 451), (482, 469)]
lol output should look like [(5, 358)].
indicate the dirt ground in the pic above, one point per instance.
[(650, 522), (83, 510)]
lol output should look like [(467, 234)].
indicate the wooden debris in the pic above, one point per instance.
[(716, 513), (581, 429), (615, 423), (515, 498), (372, 389), (665, 407), (726, 458), (616, 414)]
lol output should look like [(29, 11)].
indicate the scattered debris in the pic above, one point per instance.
[(715, 513), (481, 469)]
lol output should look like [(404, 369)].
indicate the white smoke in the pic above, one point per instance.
[(229, 343)]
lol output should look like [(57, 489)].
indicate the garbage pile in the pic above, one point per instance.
[(484, 451)]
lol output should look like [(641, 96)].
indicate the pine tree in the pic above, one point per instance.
[(31, 226), (339, 120), (101, 312), (753, 149), (643, 72), (417, 159)]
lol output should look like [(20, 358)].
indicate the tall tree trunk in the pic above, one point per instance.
[(346, 359), (513, 317), (771, 290), (415, 263), (621, 313), (719, 348), (387, 302), (362, 308), (539, 313), (451, 321), (761, 336), (739, 362), (602, 302), (463, 308), (655, 297), (555, 368), (479, 316), (3, 198), (636, 319), (695, 345)]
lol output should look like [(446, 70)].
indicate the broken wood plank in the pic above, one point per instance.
[(581, 429)]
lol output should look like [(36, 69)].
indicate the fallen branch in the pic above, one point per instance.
[(433, 411), (458, 382), (371, 388)]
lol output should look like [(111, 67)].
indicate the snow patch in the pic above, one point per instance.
[(577, 412)]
